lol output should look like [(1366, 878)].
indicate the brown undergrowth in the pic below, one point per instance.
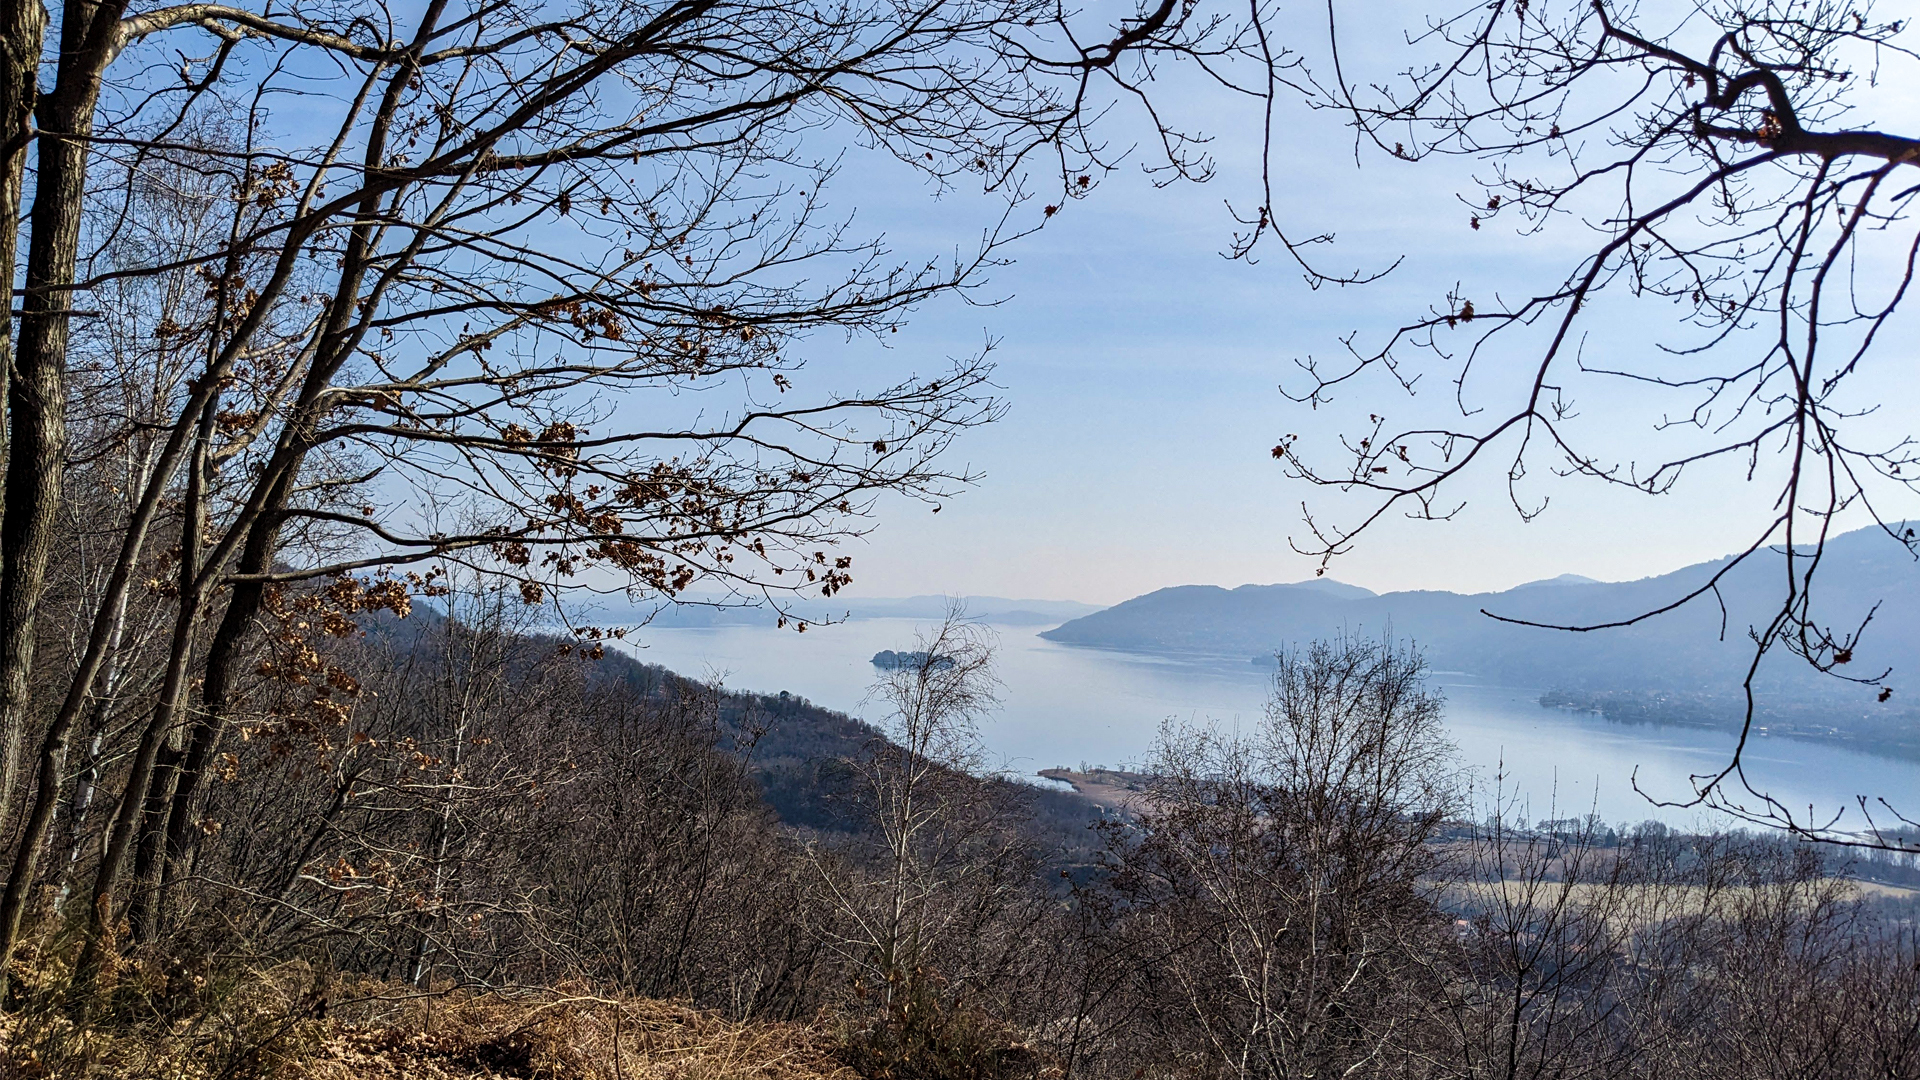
[(284, 1024), (565, 1035)]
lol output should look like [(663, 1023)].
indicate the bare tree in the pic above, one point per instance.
[(917, 787), (472, 278), (1717, 152), (1581, 952), (1273, 889)]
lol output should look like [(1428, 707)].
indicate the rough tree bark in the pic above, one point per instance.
[(25, 24)]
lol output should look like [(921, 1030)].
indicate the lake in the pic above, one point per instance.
[(1067, 705)]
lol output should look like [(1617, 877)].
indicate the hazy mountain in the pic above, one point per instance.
[(997, 609), (1331, 587), (1563, 579), (1673, 666)]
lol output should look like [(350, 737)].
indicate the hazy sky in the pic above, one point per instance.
[(1142, 368)]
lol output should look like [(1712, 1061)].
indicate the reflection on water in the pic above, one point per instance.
[(1063, 705)]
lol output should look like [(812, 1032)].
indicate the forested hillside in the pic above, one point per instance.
[(510, 849)]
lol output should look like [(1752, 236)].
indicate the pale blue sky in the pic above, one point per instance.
[(1141, 369)]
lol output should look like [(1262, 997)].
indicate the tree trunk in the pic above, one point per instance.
[(36, 395), (24, 24), (145, 783), (143, 909), (86, 783), (216, 690), (84, 787)]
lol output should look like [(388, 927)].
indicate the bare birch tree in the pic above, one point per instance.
[(918, 789)]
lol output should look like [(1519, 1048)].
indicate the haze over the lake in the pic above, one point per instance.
[(1070, 705)]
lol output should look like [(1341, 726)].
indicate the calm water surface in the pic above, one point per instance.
[(1065, 705)]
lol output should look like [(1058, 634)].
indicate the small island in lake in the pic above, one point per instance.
[(890, 660)]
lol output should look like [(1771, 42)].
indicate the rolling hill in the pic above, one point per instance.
[(1678, 666)]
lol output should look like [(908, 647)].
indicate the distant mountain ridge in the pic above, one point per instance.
[(1677, 655), (1563, 579)]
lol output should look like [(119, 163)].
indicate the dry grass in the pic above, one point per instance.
[(570, 1036), (269, 1029), (1670, 898)]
